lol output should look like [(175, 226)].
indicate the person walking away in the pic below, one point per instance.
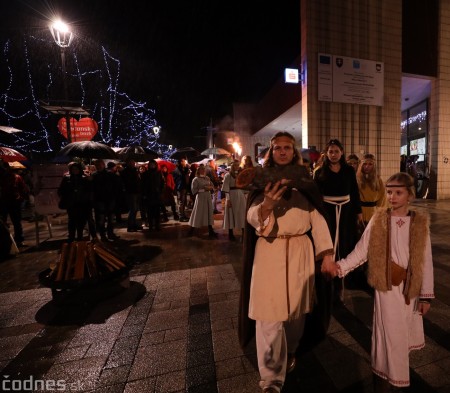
[(181, 178), (202, 213), (152, 188), (168, 194), (281, 287), (235, 201), (104, 190), (337, 183), (75, 193), (13, 191), (396, 245), (120, 197), (132, 183)]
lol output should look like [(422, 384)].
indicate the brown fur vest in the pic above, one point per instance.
[(379, 272)]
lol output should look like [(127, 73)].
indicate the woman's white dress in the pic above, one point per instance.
[(397, 326), (202, 212), (234, 215)]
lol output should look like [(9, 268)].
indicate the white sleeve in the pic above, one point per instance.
[(359, 254), (427, 290)]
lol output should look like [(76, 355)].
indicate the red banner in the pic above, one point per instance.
[(81, 130)]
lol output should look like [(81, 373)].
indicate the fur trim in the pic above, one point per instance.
[(379, 275)]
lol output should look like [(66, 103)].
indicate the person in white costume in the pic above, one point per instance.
[(396, 243), (282, 281), (235, 209), (202, 212)]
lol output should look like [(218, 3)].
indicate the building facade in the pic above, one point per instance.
[(408, 41)]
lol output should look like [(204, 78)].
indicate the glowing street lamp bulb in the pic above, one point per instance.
[(156, 130), (61, 26), (61, 33), (170, 147)]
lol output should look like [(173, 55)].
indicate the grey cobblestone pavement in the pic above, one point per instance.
[(173, 326)]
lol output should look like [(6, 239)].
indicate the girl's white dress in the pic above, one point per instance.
[(397, 327)]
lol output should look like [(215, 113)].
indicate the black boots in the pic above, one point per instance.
[(212, 234), (231, 235)]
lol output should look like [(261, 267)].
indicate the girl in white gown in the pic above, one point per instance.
[(396, 244)]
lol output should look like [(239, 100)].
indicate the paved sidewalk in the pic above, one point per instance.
[(174, 328)]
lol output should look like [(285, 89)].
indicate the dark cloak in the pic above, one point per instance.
[(317, 322)]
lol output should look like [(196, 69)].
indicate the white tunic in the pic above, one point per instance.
[(202, 212), (282, 287), (234, 216), (397, 327)]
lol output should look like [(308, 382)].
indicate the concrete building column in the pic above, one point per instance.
[(439, 112), (365, 29)]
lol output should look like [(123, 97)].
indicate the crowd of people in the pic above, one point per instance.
[(301, 238)]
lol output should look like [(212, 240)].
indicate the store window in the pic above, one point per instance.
[(414, 141)]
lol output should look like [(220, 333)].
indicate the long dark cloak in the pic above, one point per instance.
[(317, 322)]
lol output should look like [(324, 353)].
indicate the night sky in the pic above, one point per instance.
[(189, 60)]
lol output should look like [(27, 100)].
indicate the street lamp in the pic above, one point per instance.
[(63, 37)]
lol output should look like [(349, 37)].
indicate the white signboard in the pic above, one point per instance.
[(353, 81), (46, 181), (291, 75)]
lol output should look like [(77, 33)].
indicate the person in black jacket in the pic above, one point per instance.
[(105, 191), (152, 188), (75, 194), (181, 177), (131, 179)]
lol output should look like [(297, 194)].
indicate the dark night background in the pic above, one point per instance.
[(189, 60)]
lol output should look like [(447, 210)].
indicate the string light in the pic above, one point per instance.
[(419, 118), (122, 121)]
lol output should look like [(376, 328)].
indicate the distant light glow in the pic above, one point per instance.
[(237, 148)]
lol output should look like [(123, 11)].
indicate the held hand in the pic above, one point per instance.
[(360, 219), (329, 267), (423, 308)]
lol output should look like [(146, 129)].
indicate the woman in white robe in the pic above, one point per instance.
[(202, 213), (234, 215)]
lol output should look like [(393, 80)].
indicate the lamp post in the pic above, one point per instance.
[(63, 37)]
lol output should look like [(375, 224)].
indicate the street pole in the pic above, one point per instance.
[(63, 37), (66, 92)]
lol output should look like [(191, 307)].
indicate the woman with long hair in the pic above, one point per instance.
[(337, 183)]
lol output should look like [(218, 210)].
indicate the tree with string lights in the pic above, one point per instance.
[(30, 73)]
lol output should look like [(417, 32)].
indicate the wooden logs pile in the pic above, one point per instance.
[(84, 260)]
